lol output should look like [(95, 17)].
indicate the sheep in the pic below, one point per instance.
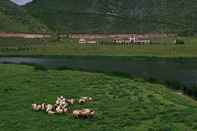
[(57, 102), (84, 113), (83, 100), (65, 110), (59, 110), (61, 106), (76, 113), (61, 97), (43, 106), (49, 107), (36, 107), (70, 101), (92, 113), (39, 107)]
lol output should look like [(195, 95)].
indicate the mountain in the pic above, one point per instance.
[(116, 15), (15, 19)]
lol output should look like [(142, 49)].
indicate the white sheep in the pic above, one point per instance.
[(70, 101), (43, 106), (59, 110), (65, 110), (83, 100), (84, 113), (49, 107), (34, 107)]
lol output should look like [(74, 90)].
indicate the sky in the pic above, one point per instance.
[(21, 2)]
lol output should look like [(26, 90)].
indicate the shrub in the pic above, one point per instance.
[(180, 42)]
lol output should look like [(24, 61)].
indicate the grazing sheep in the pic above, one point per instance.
[(57, 102), (90, 99), (49, 107), (65, 110), (84, 113), (61, 97), (76, 113), (92, 113), (83, 100), (59, 110), (61, 106), (70, 101), (35, 107), (43, 106)]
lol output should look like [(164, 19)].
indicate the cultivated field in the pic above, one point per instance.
[(122, 104)]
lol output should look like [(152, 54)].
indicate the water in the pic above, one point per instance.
[(183, 71)]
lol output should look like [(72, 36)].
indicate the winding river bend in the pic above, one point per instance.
[(183, 70)]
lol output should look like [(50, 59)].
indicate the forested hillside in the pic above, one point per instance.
[(15, 19), (116, 15)]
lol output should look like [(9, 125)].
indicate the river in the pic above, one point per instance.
[(183, 71)]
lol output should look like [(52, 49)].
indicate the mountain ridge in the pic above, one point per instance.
[(93, 16), (116, 16)]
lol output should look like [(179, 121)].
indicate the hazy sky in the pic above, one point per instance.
[(21, 2)]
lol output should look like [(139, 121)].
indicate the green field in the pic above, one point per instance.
[(66, 47), (122, 104)]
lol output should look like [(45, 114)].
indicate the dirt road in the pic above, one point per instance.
[(24, 35)]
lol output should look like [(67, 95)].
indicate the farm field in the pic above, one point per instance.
[(67, 47), (122, 104)]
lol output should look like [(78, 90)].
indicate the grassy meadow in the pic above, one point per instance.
[(122, 104), (67, 47)]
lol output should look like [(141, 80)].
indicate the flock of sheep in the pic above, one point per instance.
[(62, 106)]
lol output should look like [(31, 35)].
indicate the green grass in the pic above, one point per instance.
[(122, 104), (25, 47)]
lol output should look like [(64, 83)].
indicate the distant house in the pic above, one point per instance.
[(142, 41), (87, 41), (132, 40), (121, 40)]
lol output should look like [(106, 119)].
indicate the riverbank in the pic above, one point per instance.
[(177, 74), (121, 103)]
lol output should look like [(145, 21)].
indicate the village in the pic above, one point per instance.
[(96, 38), (117, 40), (122, 38)]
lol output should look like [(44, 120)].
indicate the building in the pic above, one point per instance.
[(121, 40), (87, 41), (131, 40)]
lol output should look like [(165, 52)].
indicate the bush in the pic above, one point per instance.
[(180, 42), (39, 67)]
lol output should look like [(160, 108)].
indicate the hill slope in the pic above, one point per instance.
[(15, 19), (121, 103), (116, 15)]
